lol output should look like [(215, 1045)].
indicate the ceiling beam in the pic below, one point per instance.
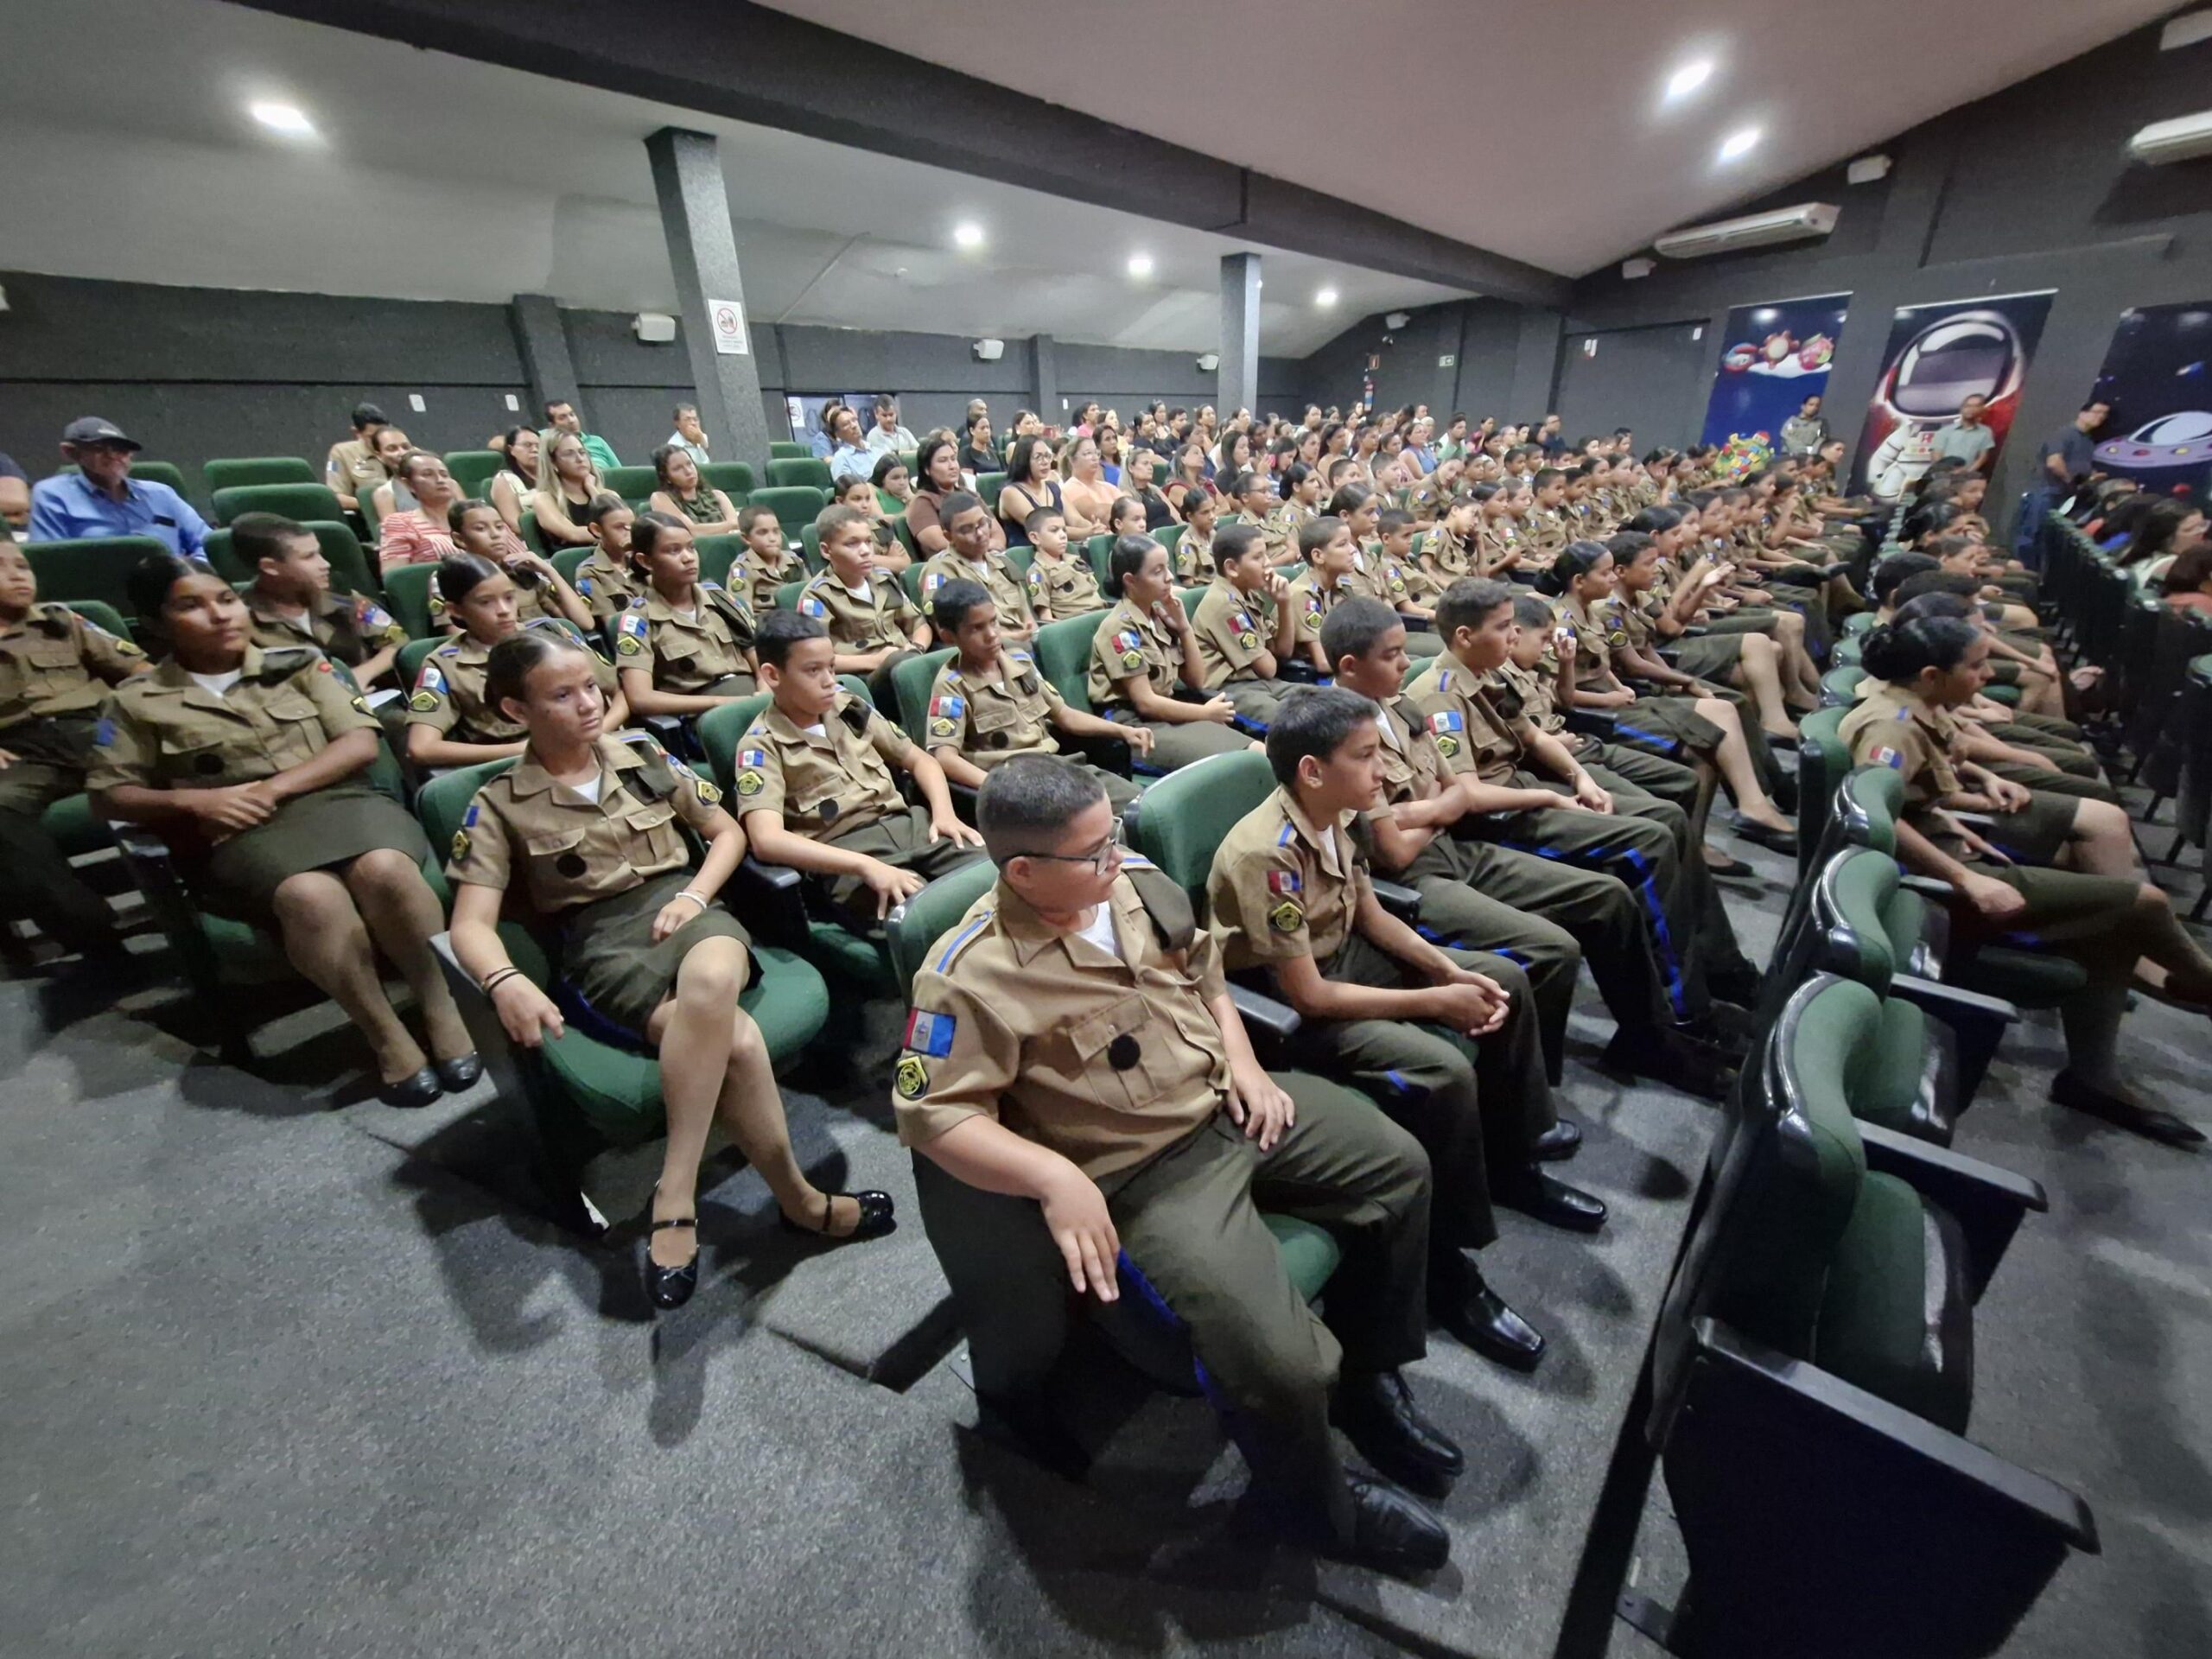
[(749, 63)]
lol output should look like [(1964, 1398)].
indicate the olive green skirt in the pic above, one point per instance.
[(319, 831), (613, 973), (1711, 656), (2038, 833)]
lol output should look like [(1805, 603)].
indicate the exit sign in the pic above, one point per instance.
[(1447, 361)]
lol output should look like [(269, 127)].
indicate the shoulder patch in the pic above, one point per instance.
[(930, 1034)]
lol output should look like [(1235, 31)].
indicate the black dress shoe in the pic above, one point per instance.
[(1392, 1531), (418, 1091), (1477, 1315), (1376, 1412), (876, 1216), (671, 1287), (1778, 841), (1560, 1141), (1029, 1427), (1548, 1199), (1727, 1023), (1738, 985), (2148, 1122), (1666, 1057), (460, 1071)]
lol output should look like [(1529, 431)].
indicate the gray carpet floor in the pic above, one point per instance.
[(291, 1373)]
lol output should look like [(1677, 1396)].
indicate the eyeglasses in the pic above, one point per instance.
[(1100, 858)]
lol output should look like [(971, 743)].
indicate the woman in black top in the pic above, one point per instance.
[(1031, 483)]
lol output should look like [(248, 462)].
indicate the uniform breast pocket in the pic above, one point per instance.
[(1126, 1059), (652, 829), (50, 657), (191, 762), (563, 868), (296, 732)]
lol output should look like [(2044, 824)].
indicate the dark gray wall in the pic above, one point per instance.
[(1651, 380)]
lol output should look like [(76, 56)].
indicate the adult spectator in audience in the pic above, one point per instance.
[(566, 483), (976, 406), (821, 443), (562, 414), (2188, 583), (1136, 483), (936, 476), (1030, 484), (349, 465), (421, 534), (2066, 462), (690, 436), (1189, 474), (886, 436), (516, 481), (1803, 433), (101, 498), (390, 493), (978, 452), (15, 495), (1086, 496), (1086, 420), (1109, 455), (1548, 437), (850, 456), (1969, 438), (684, 494)]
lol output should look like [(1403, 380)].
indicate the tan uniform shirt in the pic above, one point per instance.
[(1530, 694), (451, 695), (1496, 542), (165, 730), (1106, 1059), (826, 783), (1594, 644), (1233, 628), (349, 628), (1281, 888), (687, 655), (989, 720), (1066, 586), (994, 576), (759, 580), (1471, 732), (1130, 643), (1311, 602), (885, 618), (1890, 727), (1193, 557), (352, 468), (1411, 769), (609, 586), (1546, 532), (54, 662), (572, 851), (1450, 557)]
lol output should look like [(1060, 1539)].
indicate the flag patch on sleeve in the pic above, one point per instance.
[(930, 1034)]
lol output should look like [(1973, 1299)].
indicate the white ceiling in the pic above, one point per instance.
[(128, 156), (1535, 131)]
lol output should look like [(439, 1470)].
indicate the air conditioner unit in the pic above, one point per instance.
[(989, 351), (1210, 362), (2181, 139), (1752, 231), (1397, 319), (653, 327)]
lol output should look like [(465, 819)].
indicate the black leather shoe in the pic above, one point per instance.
[(1477, 1315), (460, 1071), (1030, 1428), (1729, 1024), (1778, 841), (1392, 1531), (1376, 1412), (1667, 1057), (876, 1217), (1560, 1141), (418, 1091), (1550, 1200), (1738, 985), (671, 1287), (2068, 1090)]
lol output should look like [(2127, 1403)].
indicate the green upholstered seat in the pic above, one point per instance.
[(804, 470), (302, 501), (1840, 686), (909, 682), (732, 478), (1188, 813), (1099, 550), (633, 484), (718, 555), (473, 469), (407, 590), (93, 567), (569, 560), (809, 547), (1859, 622), (1063, 653), (785, 450), (256, 469), (796, 506), (990, 486)]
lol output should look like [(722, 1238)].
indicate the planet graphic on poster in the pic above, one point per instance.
[(1777, 349), (1738, 358), (1815, 354), (2181, 439)]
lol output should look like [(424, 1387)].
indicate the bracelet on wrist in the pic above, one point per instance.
[(686, 892), (497, 977)]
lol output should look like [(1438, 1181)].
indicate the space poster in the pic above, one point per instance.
[(1938, 356), (1773, 356), (2160, 432)]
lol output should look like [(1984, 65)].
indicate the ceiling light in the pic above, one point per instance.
[(1742, 142), (1327, 296), (967, 235), (1687, 79), (1140, 264), (287, 118)]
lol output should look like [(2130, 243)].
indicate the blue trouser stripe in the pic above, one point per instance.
[(1647, 895)]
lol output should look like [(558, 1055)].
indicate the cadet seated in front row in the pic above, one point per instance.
[(588, 825), (815, 788), (289, 602), (1072, 1043), (685, 645), (990, 704), (1446, 1039), (452, 717), (249, 762), (55, 669)]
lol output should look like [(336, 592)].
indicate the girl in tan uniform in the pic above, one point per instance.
[(688, 646), (588, 827)]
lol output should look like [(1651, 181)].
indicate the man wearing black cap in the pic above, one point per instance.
[(101, 498)]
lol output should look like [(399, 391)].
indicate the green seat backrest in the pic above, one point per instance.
[(909, 459), (787, 595), (732, 478), (256, 469), (1190, 596), (810, 548), (1099, 550), (1869, 802), (1821, 762), (633, 484), (302, 501), (1852, 904), (1021, 558), (407, 589), (795, 506), (784, 449), (472, 469), (804, 472), (718, 555), (1859, 622), (910, 684), (1169, 537), (443, 802), (932, 913), (412, 654), (100, 616), (1840, 686), (903, 533), (532, 538), (1849, 653), (1064, 657), (719, 729), (1179, 831), (161, 471), (93, 568), (910, 580), (569, 560), (990, 487)]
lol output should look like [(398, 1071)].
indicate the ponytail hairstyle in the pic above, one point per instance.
[(1654, 521), (1896, 653), (649, 528), (506, 675), (1575, 560), (1922, 607), (146, 586)]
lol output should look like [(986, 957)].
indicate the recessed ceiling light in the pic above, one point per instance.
[(1687, 79), (1140, 264), (287, 118), (967, 235), (1326, 296), (1739, 142)]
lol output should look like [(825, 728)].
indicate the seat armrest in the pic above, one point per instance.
[(1297, 670), (1263, 1014), (1418, 624), (1978, 1022), (1403, 902), (671, 733), (1929, 887), (1987, 1202), (1974, 820), (772, 899), (1591, 722)]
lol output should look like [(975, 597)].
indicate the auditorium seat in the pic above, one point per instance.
[(633, 484), (797, 473), (301, 501), (256, 469), (1063, 653), (909, 682), (718, 556), (732, 478), (93, 567), (785, 450), (351, 571), (472, 469), (795, 506), (406, 591)]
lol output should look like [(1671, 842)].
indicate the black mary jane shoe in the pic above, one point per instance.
[(409, 1092), (876, 1217), (1557, 1143), (1775, 841), (671, 1287), (460, 1071), (1732, 869)]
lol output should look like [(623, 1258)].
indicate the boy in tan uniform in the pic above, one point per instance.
[(968, 557), (871, 622), (1245, 625)]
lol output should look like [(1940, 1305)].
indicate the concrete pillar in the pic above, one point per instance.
[(1239, 386), (543, 342), (1045, 376), (710, 294)]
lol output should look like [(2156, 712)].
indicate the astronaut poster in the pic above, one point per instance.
[(1938, 356), (2160, 432), (1773, 357)]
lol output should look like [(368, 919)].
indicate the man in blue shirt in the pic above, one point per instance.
[(102, 499)]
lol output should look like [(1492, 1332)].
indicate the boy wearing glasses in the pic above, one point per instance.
[(1072, 1047)]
